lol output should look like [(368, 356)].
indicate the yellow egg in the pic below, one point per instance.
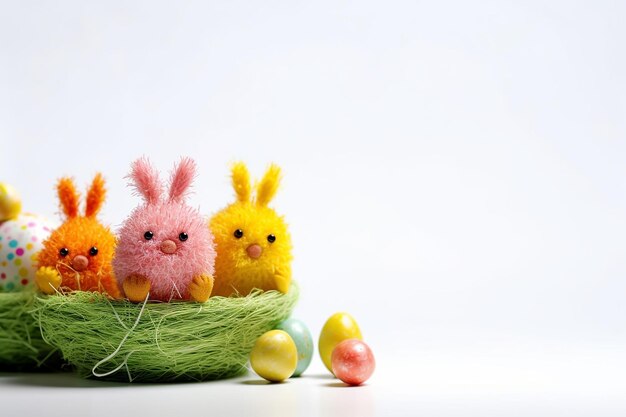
[(339, 327), (10, 203), (274, 356)]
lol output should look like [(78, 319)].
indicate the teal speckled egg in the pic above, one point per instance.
[(303, 340)]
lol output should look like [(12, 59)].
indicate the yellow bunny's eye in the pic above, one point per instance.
[(271, 238), (238, 233)]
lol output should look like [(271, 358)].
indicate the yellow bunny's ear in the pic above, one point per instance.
[(266, 189), (241, 181)]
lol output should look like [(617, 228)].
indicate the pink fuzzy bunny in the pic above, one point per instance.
[(165, 247)]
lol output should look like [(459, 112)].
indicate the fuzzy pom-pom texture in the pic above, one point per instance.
[(169, 274), (164, 240), (77, 255), (253, 240), (153, 342)]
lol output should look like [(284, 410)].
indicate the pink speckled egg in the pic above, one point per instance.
[(353, 361), (20, 240)]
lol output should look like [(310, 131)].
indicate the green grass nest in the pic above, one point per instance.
[(21, 344), (155, 342)]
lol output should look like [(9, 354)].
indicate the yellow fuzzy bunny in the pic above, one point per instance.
[(253, 244)]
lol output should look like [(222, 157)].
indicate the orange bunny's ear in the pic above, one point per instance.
[(68, 197), (95, 196)]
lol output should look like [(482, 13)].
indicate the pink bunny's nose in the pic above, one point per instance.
[(254, 251), (80, 263), (168, 246)]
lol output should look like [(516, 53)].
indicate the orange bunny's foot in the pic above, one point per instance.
[(136, 287), (201, 287), (48, 280)]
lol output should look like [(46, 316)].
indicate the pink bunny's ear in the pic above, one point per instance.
[(145, 179), (181, 179)]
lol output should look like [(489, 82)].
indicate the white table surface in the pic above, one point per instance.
[(525, 381)]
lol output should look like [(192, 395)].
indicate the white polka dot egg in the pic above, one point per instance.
[(20, 240)]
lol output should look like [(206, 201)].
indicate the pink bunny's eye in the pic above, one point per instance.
[(183, 236), (148, 235)]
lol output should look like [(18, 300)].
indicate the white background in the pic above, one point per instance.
[(454, 177)]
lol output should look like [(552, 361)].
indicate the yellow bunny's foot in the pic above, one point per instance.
[(136, 288), (48, 279), (201, 287), (283, 281)]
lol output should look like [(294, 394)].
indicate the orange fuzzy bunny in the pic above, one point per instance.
[(77, 256)]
